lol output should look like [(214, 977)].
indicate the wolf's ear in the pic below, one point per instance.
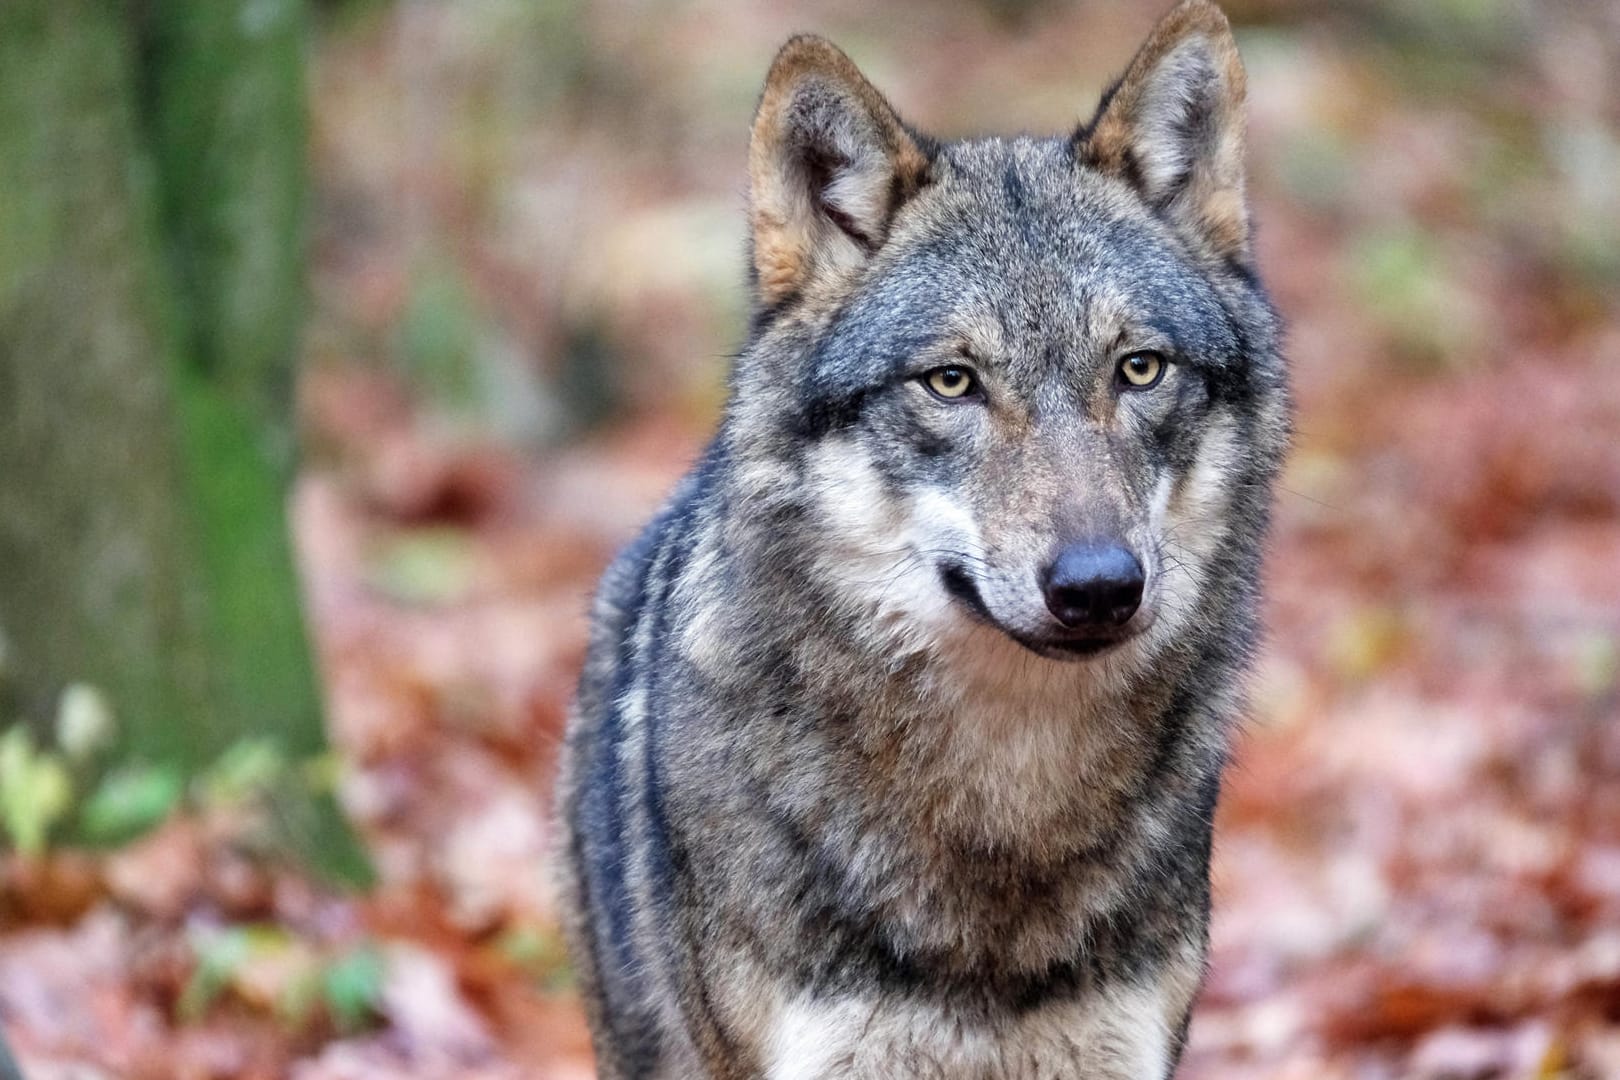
[(1173, 128), (829, 165)]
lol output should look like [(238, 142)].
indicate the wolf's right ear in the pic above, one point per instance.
[(829, 164)]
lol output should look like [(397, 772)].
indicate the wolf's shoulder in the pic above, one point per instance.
[(631, 582)]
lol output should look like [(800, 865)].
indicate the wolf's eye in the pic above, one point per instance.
[(950, 383), (1142, 370)]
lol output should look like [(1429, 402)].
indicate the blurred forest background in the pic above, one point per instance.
[(460, 280)]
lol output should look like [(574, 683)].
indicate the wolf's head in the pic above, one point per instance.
[(1029, 385)]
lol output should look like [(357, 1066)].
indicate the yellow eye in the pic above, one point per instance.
[(950, 383), (1140, 370)]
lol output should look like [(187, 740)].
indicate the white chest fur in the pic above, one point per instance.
[(1124, 1034)]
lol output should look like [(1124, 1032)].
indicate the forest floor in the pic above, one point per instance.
[(1417, 864)]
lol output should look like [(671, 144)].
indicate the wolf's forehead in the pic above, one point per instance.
[(1024, 208), (990, 156), (1017, 231), (1022, 176)]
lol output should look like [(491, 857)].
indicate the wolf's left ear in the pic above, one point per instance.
[(829, 165), (1172, 127)]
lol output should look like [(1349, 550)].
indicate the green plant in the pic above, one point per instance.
[(271, 967), (66, 789), (35, 791)]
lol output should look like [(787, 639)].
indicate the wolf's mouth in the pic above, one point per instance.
[(960, 584), (1089, 646)]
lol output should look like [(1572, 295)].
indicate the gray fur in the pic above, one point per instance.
[(828, 815)]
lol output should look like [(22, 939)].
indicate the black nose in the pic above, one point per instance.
[(1093, 584)]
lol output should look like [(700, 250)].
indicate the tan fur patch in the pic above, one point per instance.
[(793, 240)]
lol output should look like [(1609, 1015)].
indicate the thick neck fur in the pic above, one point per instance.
[(987, 807)]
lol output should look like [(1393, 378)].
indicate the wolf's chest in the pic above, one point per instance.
[(1126, 1032)]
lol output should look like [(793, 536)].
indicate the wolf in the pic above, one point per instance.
[(902, 724)]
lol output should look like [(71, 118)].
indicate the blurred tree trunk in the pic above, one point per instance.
[(152, 198), (93, 567)]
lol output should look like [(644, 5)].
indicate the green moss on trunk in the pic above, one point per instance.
[(151, 297)]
